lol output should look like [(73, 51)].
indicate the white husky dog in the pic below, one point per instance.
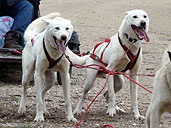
[(132, 31), (161, 98), (44, 54)]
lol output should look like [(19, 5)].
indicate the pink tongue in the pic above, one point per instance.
[(61, 47), (142, 34)]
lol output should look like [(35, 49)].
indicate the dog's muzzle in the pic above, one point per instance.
[(61, 44), (141, 31)]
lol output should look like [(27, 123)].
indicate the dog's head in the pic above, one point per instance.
[(60, 31), (137, 22)]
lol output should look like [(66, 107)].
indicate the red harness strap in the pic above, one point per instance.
[(133, 59), (32, 40), (95, 57), (130, 65), (52, 62)]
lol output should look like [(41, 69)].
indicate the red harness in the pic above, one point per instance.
[(133, 59), (95, 57), (52, 62), (32, 40), (130, 65)]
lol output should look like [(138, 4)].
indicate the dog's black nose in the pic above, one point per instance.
[(63, 37), (143, 23)]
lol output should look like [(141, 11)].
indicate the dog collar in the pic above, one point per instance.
[(52, 62), (130, 39), (169, 53), (133, 59)]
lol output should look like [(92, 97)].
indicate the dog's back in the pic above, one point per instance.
[(166, 57), (166, 61), (38, 26), (161, 98), (168, 73)]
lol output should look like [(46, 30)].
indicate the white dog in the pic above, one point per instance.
[(44, 54), (132, 31), (161, 97)]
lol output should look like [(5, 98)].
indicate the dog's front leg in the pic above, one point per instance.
[(111, 105), (111, 93), (148, 117), (134, 95), (66, 90), (49, 82), (38, 78)]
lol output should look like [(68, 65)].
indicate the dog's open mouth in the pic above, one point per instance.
[(140, 32), (60, 44)]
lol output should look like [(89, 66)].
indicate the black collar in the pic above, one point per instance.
[(133, 58), (52, 62), (169, 53), (130, 39)]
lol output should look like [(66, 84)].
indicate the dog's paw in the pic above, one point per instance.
[(47, 113), (111, 111), (22, 110), (39, 118), (78, 112), (139, 117), (71, 119), (119, 110)]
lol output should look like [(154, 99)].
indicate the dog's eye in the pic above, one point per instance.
[(57, 28), (67, 28), (135, 17), (145, 16)]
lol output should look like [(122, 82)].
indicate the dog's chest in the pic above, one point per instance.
[(122, 64), (168, 107)]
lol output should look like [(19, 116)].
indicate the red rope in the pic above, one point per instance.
[(137, 83), (76, 125), (103, 69), (107, 125)]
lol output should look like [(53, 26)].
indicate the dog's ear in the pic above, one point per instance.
[(46, 20), (126, 13), (169, 54)]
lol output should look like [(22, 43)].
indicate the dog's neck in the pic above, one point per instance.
[(53, 52), (131, 43), (131, 40)]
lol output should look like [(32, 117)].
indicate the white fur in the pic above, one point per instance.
[(111, 56), (161, 97), (34, 61), (40, 25)]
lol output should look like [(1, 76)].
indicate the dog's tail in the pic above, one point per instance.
[(37, 26), (75, 58)]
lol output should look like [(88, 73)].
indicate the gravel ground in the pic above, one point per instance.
[(94, 20)]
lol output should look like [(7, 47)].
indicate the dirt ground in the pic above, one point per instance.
[(94, 20)]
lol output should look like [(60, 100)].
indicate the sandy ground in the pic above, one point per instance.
[(95, 20)]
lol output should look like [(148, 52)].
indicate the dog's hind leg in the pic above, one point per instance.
[(28, 70), (49, 82), (118, 84), (90, 78), (66, 91)]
